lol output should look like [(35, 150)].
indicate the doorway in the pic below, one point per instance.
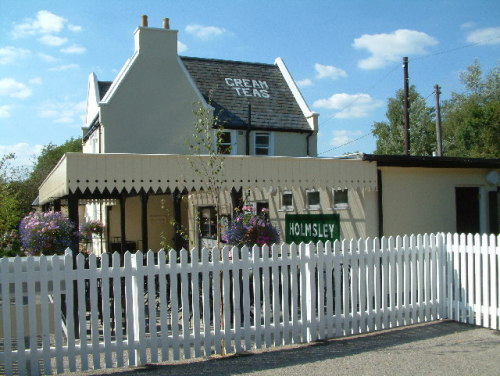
[(467, 209)]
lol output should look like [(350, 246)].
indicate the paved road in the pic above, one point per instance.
[(442, 348)]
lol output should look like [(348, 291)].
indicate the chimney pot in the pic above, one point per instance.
[(144, 20), (166, 23)]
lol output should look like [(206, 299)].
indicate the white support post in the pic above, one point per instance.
[(133, 309)]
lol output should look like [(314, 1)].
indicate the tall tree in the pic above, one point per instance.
[(471, 119), (390, 134), (45, 162), (9, 202)]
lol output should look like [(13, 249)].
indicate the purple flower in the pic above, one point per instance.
[(45, 233)]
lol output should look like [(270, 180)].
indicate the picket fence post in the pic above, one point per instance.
[(310, 293), (441, 255)]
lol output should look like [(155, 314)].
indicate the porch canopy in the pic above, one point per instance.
[(81, 173)]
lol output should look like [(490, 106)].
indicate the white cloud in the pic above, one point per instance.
[(324, 71), (45, 22), (65, 67), (205, 32), (343, 136), (305, 82), (47, 58), (349, 105), (9, 54), (181, 47), (52, 40), (387, 48), (12, 88), (487, 36), (5, 111), (25, 153), (467, 25), (74, 28), (65, 112), (36, 81), (74, 49)]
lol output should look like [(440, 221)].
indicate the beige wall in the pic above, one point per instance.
[(422, 200), (359, 220)]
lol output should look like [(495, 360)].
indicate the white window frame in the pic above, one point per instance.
[(270, 146), (287, 207), (314, 206), (340, 205), (233, 134)]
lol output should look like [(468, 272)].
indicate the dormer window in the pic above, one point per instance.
[(263, 143)]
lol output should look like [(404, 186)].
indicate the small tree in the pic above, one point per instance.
[(206, 158)]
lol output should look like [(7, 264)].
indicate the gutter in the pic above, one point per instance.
[(249, 128)]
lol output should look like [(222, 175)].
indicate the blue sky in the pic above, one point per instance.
[(345, 54)]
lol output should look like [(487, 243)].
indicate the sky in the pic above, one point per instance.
[(345, 55)]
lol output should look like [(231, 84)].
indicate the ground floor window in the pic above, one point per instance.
[(287, 200), (208, 222), (313, 200), (340, 199)]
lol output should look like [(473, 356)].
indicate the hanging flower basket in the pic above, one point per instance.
[(89, 228), (248, 228)]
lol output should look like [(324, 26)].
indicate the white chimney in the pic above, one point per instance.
[(155, 41)]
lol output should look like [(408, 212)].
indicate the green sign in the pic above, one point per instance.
[(312, 227)]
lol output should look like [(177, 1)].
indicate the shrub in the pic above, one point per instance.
[(46, 233), (9, 244), (249, 229)]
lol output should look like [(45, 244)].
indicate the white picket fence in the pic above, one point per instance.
[(57, 317)]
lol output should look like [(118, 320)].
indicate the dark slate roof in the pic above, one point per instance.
[(230, 86), (103, 87), (431, 162)]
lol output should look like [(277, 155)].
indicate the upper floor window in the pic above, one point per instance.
[(225, 143), (263, 143)]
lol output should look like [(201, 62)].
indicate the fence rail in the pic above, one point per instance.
[(57, 316)]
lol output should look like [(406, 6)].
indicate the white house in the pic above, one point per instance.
[(136, 176)]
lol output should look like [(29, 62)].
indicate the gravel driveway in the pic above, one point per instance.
[(439, 348)]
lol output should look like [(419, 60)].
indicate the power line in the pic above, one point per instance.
[(396, 66), (454, 49), (347, 143), (358, 97)]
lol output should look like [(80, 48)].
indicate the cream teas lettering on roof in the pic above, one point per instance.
[(248, 88)]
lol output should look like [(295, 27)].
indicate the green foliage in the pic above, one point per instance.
[(46, 161), (390, 134), (9, 201), (9, 244), (207, 136), (471, 120)]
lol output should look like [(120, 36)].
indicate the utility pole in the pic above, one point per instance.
[(406, 106), (439, 138)]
